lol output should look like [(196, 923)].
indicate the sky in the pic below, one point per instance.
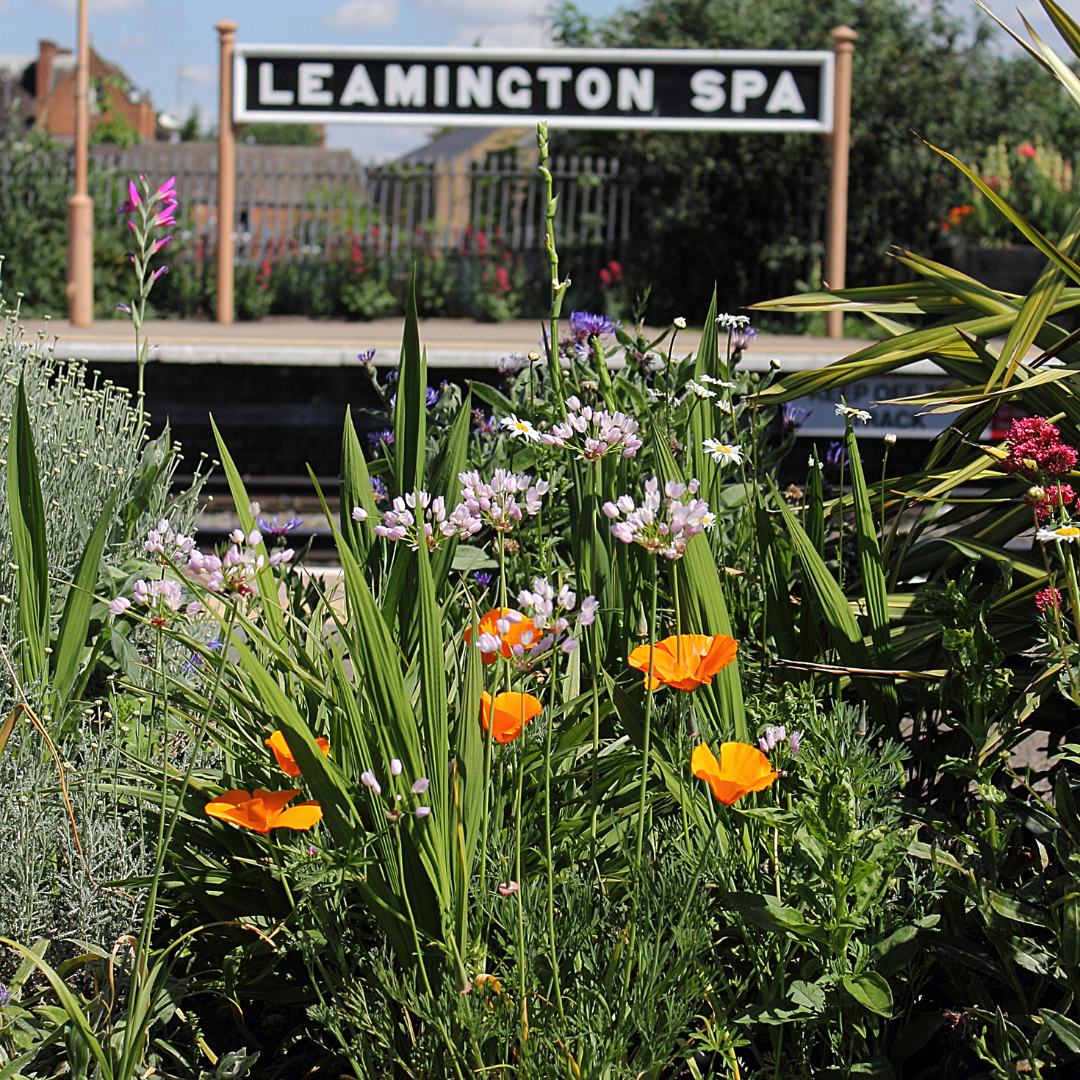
[(169, 47)]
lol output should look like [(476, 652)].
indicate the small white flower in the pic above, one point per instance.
[(733, 322), (717, 382), (680, 322), (522, 429), (724, 405), (855, 414), (708, 521), (359, 513), (722, 453), (1061, 534), (700, 391), (890, 439)]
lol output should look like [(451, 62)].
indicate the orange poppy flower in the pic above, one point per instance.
[(741, 769), (262, 811), (488, 624), (512, 713), (686, 661), (286, 761)]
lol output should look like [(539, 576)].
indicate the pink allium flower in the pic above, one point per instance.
[(662, 524), (594, 433)]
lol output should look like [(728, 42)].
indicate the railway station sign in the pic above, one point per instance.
[(631, 89)]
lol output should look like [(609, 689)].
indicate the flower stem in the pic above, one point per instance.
[(648, 724), (547, 834)]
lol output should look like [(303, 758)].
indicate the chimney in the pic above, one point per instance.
[(44, 74)]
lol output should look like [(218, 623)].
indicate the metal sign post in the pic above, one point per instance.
[(606, 89), (836, 247)]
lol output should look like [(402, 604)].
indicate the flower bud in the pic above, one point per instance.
[(890, 439), (774, 364), (1036, 493), (680, 322), (396, 767), (642, 622)]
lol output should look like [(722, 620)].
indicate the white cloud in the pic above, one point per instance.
[(483, 12), (100, 7), (363, 15), (527, 33)]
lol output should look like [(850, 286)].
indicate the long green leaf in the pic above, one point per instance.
[(71, 1006), (836, 611), (26, 510), (452, 459), (75, 621), (356, 491), (410, 411)]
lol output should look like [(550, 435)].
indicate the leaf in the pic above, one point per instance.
[(1068, 1031), (356, 491), (1016, 911), (410, 411), (770, 914), (9, 726), (26, 511), (871, 991), (835, 610), (453, 458), (75, 620)]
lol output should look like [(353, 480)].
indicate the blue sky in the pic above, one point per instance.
[(169, 47)]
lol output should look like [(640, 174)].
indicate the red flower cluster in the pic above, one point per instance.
[(955, 218), (611, 274), (1035, 447), (1048, 599), (1056, 497)]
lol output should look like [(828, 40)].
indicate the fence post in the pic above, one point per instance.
[(80, 286), (836, 247), (226, 173)]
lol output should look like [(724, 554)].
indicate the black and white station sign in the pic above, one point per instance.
[(638, 89)]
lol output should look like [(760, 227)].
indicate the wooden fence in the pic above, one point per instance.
[(300, 203)]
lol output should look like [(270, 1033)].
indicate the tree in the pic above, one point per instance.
[(748, 210)]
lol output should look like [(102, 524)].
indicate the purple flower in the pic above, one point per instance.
[(381, 438), (157, 273), (5, 997), (124, 308), (272, 528), (119, 605), (366, 357), (392, 376), (379, 488), (432, 396), (795, 742), (159, 244), (422, 811), (482, 578), (793, 418), (742, 339), (421, 785), (584, 326), (834, 456)]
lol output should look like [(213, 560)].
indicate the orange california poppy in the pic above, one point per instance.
[(262, 811), (741, 769), (685, 661), (488, 624), (286, 761), (512, 713)]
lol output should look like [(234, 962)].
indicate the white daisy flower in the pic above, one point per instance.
[(708, 521), (717, 382), (1061, 534), (722, 453), (699, 390), (680, 322), (855, 414), (520, 428), (724, 405)]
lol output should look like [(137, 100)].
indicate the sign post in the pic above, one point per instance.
[(226, 208), (80, 283), (836, 247), (583, 89)]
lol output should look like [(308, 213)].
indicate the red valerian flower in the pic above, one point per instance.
[(1034, 446), (1048, 599)]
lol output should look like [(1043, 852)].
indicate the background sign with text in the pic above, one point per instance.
[(635, 89)]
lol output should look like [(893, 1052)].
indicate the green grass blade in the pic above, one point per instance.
[(26, 510), (75, 620), (356, 491), (873, 573), (410, 411), (707, 362), (453, 458), (836, 611)]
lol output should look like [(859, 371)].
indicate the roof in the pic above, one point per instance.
[(461, 141)]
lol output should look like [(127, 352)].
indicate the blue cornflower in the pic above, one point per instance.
[(482, 578), (378, 487), (742, 339), (381, 438), (392, 376), (195, 661), (583, 325), (5, 996), (272, 528), (366, 356), (432, 396), (793, 417), (834, 456)]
